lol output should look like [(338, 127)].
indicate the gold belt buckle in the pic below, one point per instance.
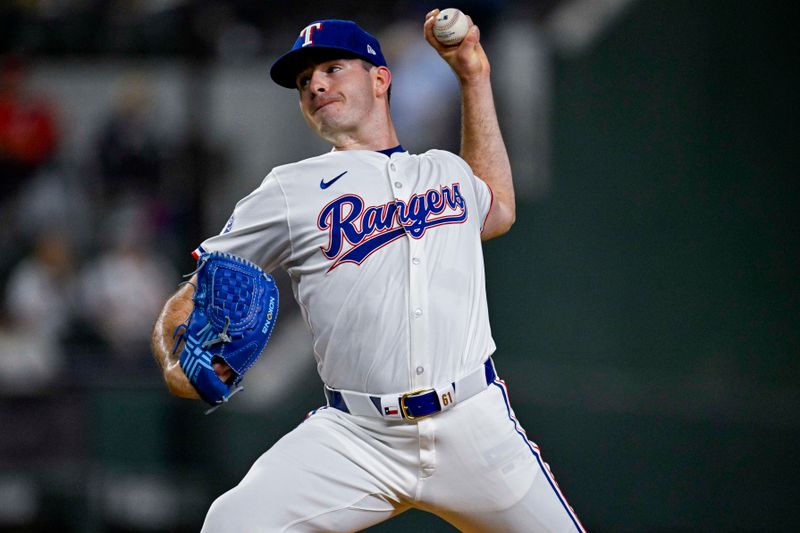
[(404, 408)]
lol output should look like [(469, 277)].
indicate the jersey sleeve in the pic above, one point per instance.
[(483, 193), (485, 198), (257, 230)]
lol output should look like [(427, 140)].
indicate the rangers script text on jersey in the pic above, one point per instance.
[(351, 214)]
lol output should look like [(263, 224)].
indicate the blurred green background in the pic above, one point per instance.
[(646, 310)]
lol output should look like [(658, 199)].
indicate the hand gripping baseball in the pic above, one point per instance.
[(467, 59), (235, 308)]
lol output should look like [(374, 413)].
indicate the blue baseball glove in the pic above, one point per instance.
[(235, 308)]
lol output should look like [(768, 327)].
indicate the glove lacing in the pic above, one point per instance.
[(222, 337)]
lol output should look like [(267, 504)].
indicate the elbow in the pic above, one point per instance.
[(507, 220), (499, 221), (170, 382), (506, 214), (498, 228), (506, 227), (510, 219)]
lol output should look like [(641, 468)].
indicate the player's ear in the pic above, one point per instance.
[(383, 79)]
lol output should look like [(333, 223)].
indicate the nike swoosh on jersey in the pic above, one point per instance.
[(325, 184)]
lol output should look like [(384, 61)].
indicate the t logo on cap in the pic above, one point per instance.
[(342, 39), (308, 30)]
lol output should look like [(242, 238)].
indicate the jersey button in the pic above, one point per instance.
[(393, 166), (416, 261), (417, 312), (420, 370), (398, 185)]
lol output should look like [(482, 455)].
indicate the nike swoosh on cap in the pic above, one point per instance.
[(325, 184)]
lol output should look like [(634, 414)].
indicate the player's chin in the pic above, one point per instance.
[(329, 116), (329, 123)]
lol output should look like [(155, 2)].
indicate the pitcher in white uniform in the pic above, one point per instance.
[(384, 251)]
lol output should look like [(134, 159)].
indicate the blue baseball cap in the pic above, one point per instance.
[(336, 35)]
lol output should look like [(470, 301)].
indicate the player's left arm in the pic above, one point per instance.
[(482, 145), (176, 311)]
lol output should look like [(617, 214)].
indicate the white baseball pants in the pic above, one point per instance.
[(471, 465)]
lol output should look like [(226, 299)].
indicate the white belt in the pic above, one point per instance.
[(413, 405)]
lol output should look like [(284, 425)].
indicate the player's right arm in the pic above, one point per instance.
[(482, 145), (176, 311)]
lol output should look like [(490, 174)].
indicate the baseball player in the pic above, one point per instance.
[(384, 251)]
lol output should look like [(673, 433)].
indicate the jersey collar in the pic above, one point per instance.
[(389, 151)]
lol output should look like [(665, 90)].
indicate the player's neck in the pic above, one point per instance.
[(375, 144), (372, 135)]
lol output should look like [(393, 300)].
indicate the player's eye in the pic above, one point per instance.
[(333, 68)]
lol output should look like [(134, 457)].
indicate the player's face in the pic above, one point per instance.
[(336, 96)]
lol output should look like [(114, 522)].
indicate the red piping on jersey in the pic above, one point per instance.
[(491, 203)]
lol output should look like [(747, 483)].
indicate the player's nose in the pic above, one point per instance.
[(317, 83)]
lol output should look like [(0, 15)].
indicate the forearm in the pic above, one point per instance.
[(175, 312), (482, 147)]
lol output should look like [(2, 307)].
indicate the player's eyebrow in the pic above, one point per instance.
[(313, 65), (317, 57)]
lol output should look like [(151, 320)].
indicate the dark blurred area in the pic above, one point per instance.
[(646, 305), (201, 28)]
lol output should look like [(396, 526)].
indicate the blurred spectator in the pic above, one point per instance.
[(28, 140), (38, 308), (53, 198), (124, 287), (128, 147), (136, 162), (39, 292), (28, 134), (28, 362)]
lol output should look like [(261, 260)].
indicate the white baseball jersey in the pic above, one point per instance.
[(385, 257)]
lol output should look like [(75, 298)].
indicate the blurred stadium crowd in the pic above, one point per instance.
[(205, 29), (80, 265), (81, 273)]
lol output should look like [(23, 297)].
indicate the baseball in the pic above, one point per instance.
[(451, 26)]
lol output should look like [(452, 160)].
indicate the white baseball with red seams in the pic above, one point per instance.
[(451, 26)]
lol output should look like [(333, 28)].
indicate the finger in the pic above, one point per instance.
[(223, 373), (432, 13), (473, 35), (222, 370), (428, 32), (430, 20)]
